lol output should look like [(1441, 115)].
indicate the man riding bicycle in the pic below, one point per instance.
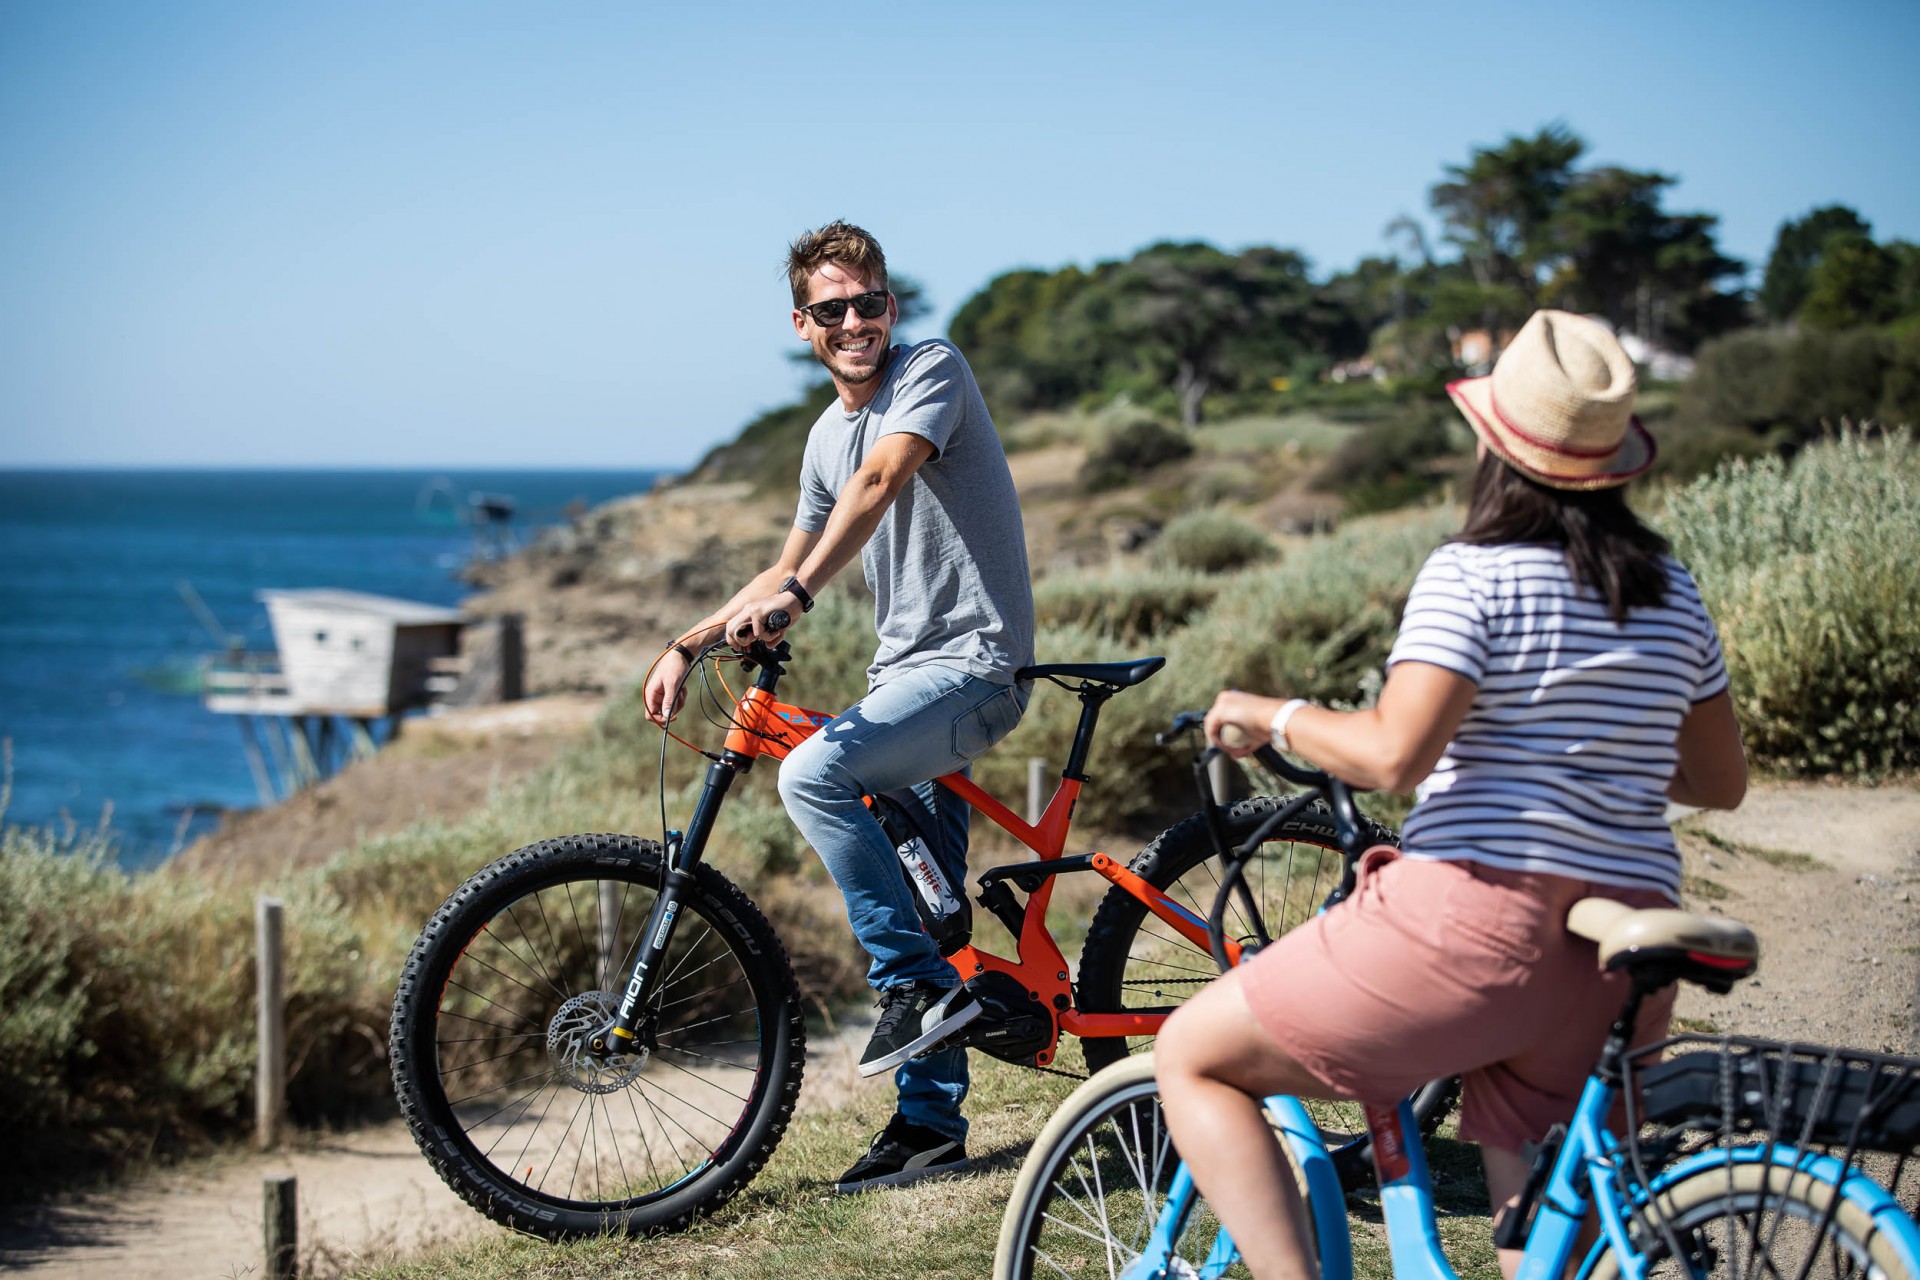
[(906, 470)]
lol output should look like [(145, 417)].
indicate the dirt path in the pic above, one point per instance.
[(1827, 875), (366, 1197)]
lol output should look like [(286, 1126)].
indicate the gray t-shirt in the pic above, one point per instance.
[(948, 562)]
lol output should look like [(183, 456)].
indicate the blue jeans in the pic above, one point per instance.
[(920, 724)]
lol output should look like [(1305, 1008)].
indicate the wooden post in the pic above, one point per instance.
[(281, 1214), (1036, 789), (270, 1090)]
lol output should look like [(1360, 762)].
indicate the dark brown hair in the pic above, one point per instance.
[(1608, 547), (840, 243)]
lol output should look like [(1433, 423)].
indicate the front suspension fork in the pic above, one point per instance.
[(682, 855)]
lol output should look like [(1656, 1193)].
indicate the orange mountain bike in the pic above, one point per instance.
[(602, 1033)]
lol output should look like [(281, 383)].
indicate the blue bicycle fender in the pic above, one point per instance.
[(1888, 1217), (1326, 1200)]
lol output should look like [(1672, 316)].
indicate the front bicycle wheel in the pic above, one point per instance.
[(1133, 962), (1095, 1186), (490, 1037), (1764, 1221)]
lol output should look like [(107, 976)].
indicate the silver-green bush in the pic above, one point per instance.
[(1211, 542), (1812, 570), (1128, 606)]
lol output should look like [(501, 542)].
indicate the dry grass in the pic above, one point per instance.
[(789, 1223)]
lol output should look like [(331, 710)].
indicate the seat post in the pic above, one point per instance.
[(1611, 1066), (1092, 698)]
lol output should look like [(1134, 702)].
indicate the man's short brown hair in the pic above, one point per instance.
[(840, 243)]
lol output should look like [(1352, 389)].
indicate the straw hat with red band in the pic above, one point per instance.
[(1558, 405)]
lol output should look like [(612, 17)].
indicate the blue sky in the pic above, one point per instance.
[(502, 235)]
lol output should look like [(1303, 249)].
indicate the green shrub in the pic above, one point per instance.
[(126, 1011), (1900, 392), (1811, 571), (1128, 607), (1392, 460), (1319, 624), (1211, 542), (1130, 451), (1688, 449), (1782, 387)]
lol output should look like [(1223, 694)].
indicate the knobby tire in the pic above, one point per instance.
[(488, 1024)]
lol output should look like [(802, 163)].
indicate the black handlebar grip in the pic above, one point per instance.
[(779, 620)]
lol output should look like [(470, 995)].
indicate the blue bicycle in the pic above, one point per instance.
[(1740, 1158)]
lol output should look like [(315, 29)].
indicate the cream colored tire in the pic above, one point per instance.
[(1116, 1110), (1717, 1210)]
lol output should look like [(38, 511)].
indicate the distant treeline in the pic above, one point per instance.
[(1186, 330)]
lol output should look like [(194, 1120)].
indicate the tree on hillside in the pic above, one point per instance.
[(1797, 250), (1029, 346), (1374, 292), (1185, 308), (1622, 256), (1855, 283), (1906, 279), (1497, 209)]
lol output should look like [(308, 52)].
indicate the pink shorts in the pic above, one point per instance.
[(1435, 969)]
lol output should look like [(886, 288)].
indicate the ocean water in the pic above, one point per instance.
[(99, 646)]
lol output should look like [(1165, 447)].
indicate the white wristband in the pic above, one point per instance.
[(1280, 718)]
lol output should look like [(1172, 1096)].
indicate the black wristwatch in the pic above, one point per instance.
[(799, 593)]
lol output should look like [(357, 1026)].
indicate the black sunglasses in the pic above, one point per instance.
[(868, 306)]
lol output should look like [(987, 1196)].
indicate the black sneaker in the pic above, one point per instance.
[(914, 1017), (902, 1152)]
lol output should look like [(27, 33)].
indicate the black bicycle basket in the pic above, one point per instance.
[(1693, 1091)]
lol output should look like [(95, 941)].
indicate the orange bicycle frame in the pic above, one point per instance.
[(763, 725)]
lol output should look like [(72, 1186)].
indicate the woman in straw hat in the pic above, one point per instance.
[(1555, 683)]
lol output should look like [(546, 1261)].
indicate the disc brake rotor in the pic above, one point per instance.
[(573, 1026)]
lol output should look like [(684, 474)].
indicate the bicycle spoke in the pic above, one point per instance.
[(532, 947)]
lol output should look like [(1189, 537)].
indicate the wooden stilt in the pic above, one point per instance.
[(300, 746), (277, 735), (256, 762)]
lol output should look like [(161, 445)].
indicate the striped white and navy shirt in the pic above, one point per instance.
[(1562, 763)]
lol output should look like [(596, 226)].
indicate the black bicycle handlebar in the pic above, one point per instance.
[(778, 620)]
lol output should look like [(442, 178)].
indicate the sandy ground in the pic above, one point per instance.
[(365, 1197), (1839, 931), (1838, 922)]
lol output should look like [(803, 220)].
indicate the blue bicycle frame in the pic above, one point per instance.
[(1589, 1155)]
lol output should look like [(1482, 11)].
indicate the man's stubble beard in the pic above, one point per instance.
[(860, 376)]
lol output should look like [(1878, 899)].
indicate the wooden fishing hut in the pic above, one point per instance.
[(346, 666)]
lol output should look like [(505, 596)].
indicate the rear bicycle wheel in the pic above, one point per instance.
[(1759, 1221), (1095, 1185), (1134, 963), (491, 1063)]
